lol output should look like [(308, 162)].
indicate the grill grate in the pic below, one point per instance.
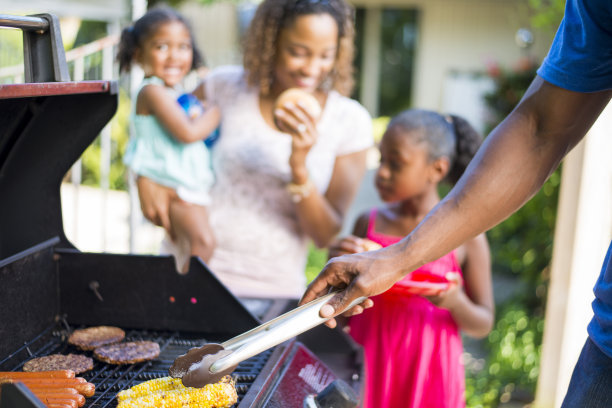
[(109, 379)]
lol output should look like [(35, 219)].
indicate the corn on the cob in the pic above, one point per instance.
[(219, 395), (149, 387)]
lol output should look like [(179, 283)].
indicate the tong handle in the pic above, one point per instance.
[(274, 332)]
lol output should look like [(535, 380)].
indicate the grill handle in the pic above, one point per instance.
[(43, 50), (24, 22), (274, 332)]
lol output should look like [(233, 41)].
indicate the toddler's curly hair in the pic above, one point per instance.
[(134, 36), (272, 16)]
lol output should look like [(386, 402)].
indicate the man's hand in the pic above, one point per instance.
[(356, 275)]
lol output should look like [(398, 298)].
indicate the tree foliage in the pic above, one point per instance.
[(546, 14)]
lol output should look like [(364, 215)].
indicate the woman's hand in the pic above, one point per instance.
[(155, 202), (296, 120)]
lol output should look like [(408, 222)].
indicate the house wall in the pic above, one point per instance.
[(462, 36), (217, 31), (98, 10), (456, 39)]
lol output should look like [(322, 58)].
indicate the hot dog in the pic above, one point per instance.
[(52, 390), (16, 375), (50, 396), (78, 383), (64, 401)]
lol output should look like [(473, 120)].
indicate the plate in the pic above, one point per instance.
[(422, 283)]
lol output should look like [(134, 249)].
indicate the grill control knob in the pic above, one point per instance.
[(338, 394)]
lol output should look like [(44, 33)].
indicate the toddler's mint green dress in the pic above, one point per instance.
[(154, 153)]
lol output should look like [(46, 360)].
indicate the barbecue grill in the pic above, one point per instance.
[(48, 287)]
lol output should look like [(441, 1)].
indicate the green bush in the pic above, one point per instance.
[(317, 258)]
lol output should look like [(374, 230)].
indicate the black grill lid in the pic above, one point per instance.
[(45, 125), (44, 129)]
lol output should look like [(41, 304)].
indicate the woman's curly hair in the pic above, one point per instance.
[(272, 16)]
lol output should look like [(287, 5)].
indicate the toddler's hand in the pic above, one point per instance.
[(449, 297)]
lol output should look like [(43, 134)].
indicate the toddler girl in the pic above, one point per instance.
[(167, 143), (411, 341)]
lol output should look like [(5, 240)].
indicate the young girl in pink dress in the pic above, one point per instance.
[(412, 342)]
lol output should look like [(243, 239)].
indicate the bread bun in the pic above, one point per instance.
[(370, 245), (293, 95)]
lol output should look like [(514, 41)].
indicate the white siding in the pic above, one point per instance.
[(454, 36), (100, 10), (216, 30), (462, 36)]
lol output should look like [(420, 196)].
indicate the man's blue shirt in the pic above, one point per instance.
[(580, 59)]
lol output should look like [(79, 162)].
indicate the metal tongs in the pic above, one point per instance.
[(209, 363)]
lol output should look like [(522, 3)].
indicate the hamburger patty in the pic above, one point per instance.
[(92, 337), (75, 362), (127, 353)]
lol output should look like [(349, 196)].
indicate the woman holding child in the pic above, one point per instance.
[(284, 174)]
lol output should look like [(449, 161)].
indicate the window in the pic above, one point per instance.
[(398, 39)]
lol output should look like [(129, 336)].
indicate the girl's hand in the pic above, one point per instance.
[(347, 245), (451, 296), (351, 244), (297, 121)]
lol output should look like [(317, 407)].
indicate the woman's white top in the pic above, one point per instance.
[(261, 249)]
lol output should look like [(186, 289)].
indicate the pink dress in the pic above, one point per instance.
[(412, 348)]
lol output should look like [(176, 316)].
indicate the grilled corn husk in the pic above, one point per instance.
[(170, 392)]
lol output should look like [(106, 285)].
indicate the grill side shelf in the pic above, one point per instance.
[(18, 396)]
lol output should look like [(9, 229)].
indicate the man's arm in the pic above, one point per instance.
[(510, 167)]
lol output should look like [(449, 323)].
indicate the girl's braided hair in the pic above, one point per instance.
[(448, 136), (134, 36), (272, 16)]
